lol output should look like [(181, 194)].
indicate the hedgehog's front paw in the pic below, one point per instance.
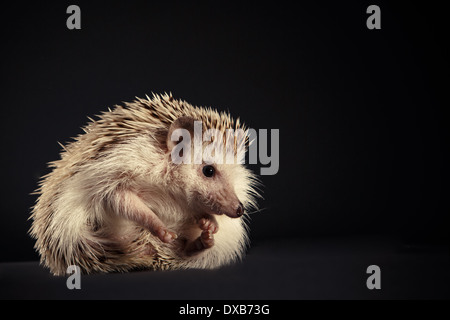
[(206, 240), (208, 224), (165, 235)]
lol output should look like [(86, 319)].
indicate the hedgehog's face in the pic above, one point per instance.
[(210, 188), (217, 194)]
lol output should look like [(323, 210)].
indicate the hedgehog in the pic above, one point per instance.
[(116, 201)]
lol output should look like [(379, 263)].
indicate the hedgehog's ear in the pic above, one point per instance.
[(174, 136)]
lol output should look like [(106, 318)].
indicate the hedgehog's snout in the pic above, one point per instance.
[(240, 209), (237, 213), (234, 213)]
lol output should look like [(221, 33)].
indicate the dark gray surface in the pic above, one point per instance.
[(287, 269)]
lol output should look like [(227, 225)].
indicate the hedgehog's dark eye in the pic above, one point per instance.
[(208, 171)]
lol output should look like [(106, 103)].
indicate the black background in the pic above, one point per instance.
[(360, 112)]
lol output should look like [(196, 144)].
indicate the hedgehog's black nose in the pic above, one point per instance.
[(240, 210)]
